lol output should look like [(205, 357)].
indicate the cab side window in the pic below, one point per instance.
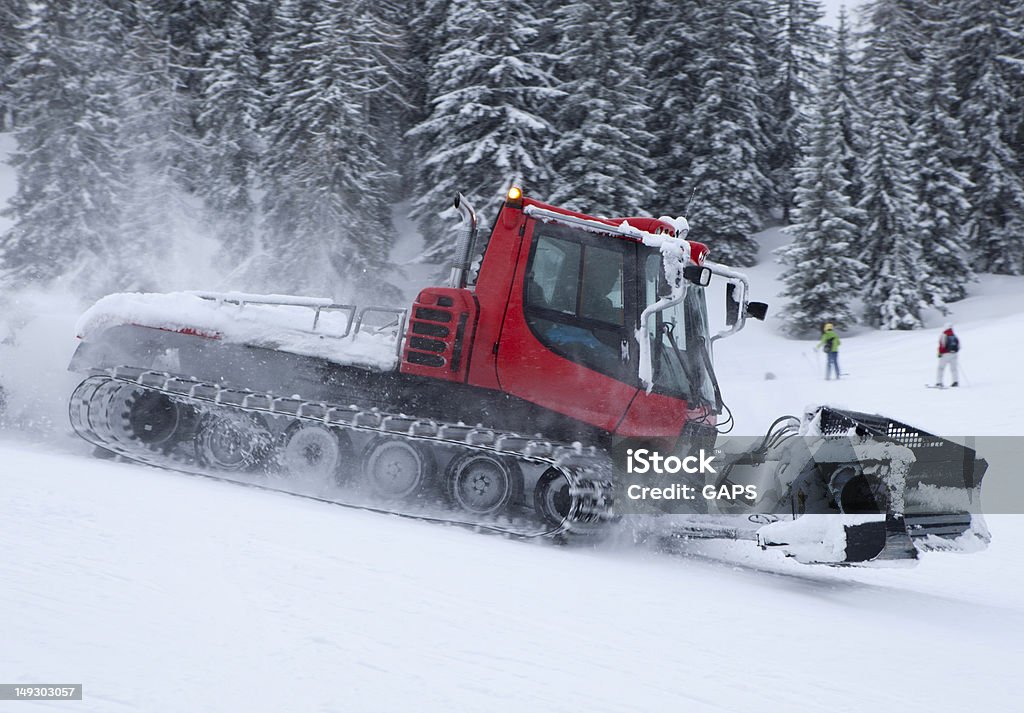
[(576, 280), (602, 285), (554, 278), (575, 302)]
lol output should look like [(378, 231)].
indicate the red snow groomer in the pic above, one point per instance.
[(509, 398)]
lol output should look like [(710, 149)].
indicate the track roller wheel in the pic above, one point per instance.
[(312, 450), (232, 442), (395, 469), (153, 418), (551, 498), (483, 484)]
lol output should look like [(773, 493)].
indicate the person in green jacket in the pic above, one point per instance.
[(830, 345)]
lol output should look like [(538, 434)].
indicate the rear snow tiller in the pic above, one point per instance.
[(563, 340)]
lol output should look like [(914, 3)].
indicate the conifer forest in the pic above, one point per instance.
[(281, 140)]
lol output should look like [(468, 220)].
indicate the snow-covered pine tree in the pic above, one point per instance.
[(376, 51), (284, 141), (669, 51), (943, 218), (160, 149), (13, 14), (726, 139), (849, 111), (797, 43), (488, 90), (824, 273), (186, 25), (261, 13), (386, 62), (1015, 116), (231, 104), (601, 152), (898, 285), (988, 61), (66, 211), (327, 224), (424, 31)]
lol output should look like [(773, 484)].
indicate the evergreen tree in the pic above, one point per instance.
[(262, 14), (602, 147), (229, 120), (843, 82), (160, 148), (393, 79), (988, 63), (13, 14), (377, 51), (824, 273), (183, 31), (424, 31), (943, 218), (1015, 68), (186, 27), (487, 90), (798, 40), (327, 226), (726, 139), (898, 286), (66, 211), (669, 50)]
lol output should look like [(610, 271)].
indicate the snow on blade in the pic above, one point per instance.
[(813, 538)]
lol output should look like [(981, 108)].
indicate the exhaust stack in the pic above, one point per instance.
[(464, 243)]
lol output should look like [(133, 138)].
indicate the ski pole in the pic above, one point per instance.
[(963, 374)]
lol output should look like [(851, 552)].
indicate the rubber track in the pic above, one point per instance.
[(586, 471)]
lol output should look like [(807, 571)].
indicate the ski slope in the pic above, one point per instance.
[(163, 592), (887, 370)]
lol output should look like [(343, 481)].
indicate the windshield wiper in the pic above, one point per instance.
[(694, 383), (706, 354)]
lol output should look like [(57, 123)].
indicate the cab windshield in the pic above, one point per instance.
[(680, 342)]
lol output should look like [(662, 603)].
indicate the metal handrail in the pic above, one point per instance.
[(353, 323), (400, 317)]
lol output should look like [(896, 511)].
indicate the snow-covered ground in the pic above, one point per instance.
[(161, 592)]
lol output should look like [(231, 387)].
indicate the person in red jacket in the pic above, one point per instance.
[(949, 347)]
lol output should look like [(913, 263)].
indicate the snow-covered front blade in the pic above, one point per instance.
[(840, 539), (872, 489)]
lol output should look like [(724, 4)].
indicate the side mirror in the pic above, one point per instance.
[(757, 310), (732, 305), (697, 274)]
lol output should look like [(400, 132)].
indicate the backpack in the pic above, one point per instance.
[(952, 343)]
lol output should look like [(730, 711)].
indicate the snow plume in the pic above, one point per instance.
[(36, 343)]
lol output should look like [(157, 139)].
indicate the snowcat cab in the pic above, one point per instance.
[(601, 321)]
